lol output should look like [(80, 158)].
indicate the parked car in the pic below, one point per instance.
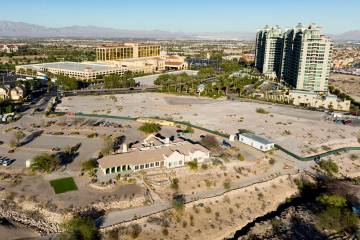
[(7, 162)]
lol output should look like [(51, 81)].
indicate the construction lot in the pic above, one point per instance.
[(301, 131), (347, 83)]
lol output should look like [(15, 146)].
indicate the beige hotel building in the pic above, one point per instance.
[(114, 59), (127, 51)]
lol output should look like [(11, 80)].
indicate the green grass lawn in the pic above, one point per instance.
[(63, 185)]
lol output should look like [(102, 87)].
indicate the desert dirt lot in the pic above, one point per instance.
[(347, 83), (16, 231), (302, 131), (21, 184), (210, 176), (349, 163), (217, 217)]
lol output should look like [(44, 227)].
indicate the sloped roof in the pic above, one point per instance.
[(148, 156)]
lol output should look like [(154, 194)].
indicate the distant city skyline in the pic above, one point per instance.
[(186, 16)]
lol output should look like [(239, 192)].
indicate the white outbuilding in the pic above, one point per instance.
[(255, 141)]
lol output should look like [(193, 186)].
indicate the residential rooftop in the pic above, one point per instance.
[(148, 156)]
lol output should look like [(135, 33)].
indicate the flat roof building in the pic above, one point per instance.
[(112, 59), (318, 100), (127, 51), (84, 71), (256, 141)]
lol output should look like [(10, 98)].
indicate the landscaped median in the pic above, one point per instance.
[(63, 185)]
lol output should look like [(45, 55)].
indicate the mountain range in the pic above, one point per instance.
[(26, 30)]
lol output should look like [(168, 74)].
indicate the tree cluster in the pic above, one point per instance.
[(45, 163), (119, 81), (150, 127)]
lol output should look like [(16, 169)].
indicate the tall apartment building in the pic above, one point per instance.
[(269, 41), (127, 51), (305, 60)]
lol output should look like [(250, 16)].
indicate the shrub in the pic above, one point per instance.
[(216, 162), (165, 232), (174, 184), (207, 209), (261, 111), (332, 200), (227, 184), (184, 224), (209, 141), (208, 183), (272, 161), (45, 163), (338, 219), (92, 135), (287, 132), (240, 157), (178, 203), (192, 220), (329, 166), (18, 135), (204, 166), (135, 230), (79, 228), (112, 97), (89, 165), (150, 127), (189, 130), (13, 143), (325, 148), (193, 164), (108, 146)]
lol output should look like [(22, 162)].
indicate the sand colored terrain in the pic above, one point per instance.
[(347, 83), (218, 217), (214, 176), (348, 163), (301, 131), (16, 231)]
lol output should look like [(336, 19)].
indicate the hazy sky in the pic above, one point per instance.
[(185, 15)]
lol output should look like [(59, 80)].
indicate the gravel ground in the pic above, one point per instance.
[(306, 131)]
